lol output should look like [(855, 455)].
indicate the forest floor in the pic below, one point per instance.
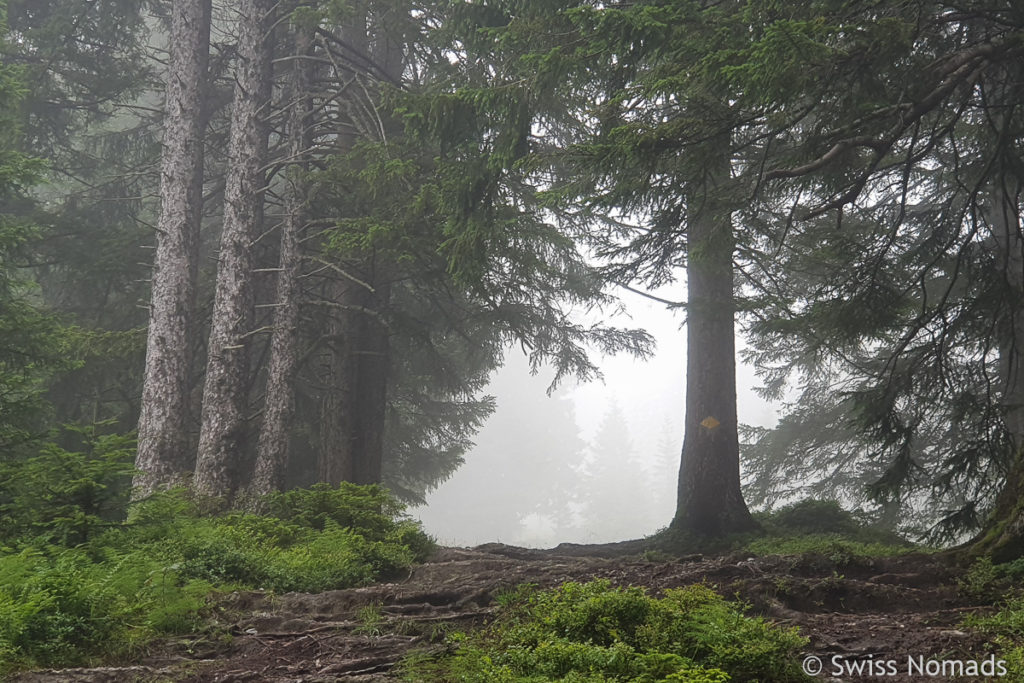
[(855, 609)]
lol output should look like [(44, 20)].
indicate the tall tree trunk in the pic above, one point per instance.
[(1003, 536), (354, 405), (279, 406), (164, 453), (372, 370), (334, 454), (221, 436), (357, 371), (371, 343), (710, 502)]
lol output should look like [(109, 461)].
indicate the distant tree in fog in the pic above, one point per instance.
[(618, 503), (664, 472), (525, 467)]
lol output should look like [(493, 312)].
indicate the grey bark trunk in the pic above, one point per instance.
[(372, 369), (335, 456), (279, 407), (357, 367), (164, 450), (710, 503), (1011, 351), (371, 343), (1003, 536), (357, 370), (225, 400)]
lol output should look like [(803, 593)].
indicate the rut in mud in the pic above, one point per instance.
[(888, 608)]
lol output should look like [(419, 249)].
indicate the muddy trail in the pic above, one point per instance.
[(858, 610)]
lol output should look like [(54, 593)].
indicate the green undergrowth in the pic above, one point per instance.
[(595, 633), (1005, 632), (808, 527), (839, 549), (120, 585), (985, 581), (823, 527)]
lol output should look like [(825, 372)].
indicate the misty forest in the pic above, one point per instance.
[(297, 299)]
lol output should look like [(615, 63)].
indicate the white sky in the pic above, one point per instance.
[(647, 391)]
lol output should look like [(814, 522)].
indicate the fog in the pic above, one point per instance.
[(591, 463)]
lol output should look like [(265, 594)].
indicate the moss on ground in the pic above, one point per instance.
[(596, 633)]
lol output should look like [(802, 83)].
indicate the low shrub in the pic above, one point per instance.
[(988, 582), (369, 508), (838, 549), (813, 516), (596, 633), (823, 527), (807, 526), (130, 582), (58, 607), (66, 497), (1005, 629)]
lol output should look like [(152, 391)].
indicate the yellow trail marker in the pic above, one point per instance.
[(709, 422)]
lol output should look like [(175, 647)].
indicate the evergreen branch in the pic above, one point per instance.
[(652, 297)]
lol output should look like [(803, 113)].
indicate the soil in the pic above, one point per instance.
[(862, 612)]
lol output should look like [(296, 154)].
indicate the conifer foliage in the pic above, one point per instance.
[(322, 279), (860, 168), (328, 221), (30, 339), (894, 289)]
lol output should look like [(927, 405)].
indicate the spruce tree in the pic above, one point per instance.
[(279, 406), (616, 501), (387, 276), (894, 196), (90, 113), (31, 340), (225, 395), (164, 452), (644, 153)]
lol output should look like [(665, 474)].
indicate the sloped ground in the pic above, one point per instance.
[(860, 611)]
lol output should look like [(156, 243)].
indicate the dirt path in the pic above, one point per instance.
[(876, 610)]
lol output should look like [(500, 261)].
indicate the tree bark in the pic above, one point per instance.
[(372, 344), (357, 362), (372, 371), (1003, 536), (163, 452), (357, 371), (279, 406), (710, 503), (334, 455), (225, 400)]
